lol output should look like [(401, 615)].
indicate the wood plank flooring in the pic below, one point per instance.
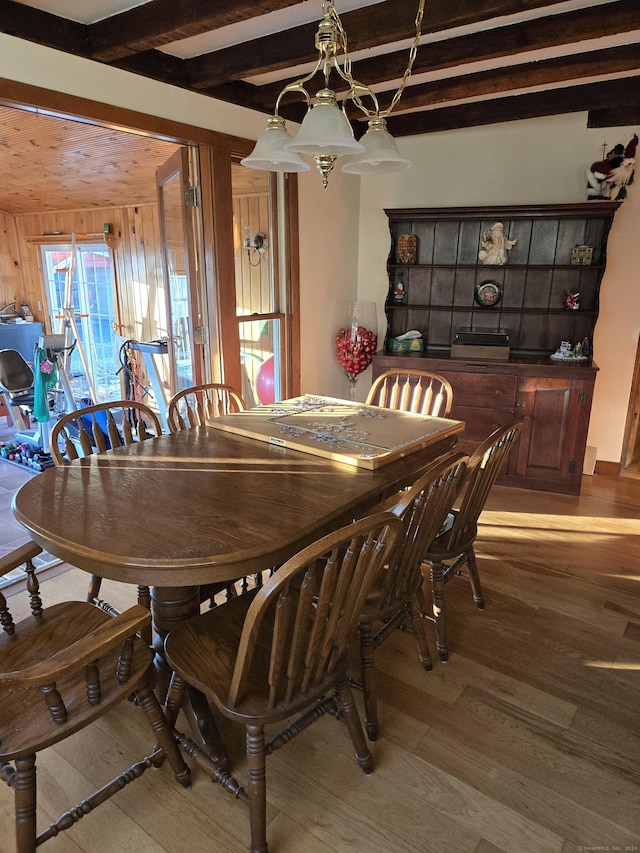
[(526, 741)]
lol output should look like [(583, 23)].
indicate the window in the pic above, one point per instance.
[(256, 287), (84, 309)]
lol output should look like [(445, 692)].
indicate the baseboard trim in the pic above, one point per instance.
[(608, 469)]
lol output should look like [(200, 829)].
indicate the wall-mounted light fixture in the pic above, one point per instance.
[(257, 243), (325, 133)]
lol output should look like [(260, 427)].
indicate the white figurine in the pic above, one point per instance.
[(495, 246)]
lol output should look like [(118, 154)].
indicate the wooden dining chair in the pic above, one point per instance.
[(282, 651), (415, 391), (61, 668), (101, 427), (453, 548), (96, 429), (193, 407), (395, 596), (199, 404)]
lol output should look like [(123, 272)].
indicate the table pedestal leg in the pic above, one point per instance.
[(169, 607)]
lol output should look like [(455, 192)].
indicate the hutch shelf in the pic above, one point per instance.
[(439, 299)]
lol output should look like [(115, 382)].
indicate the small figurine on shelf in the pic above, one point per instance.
[(608, 178), (494, 246), (399, 292), (572, 301)]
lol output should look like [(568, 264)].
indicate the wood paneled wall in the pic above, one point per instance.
[(253, 273), (10, 272), (134, 239)]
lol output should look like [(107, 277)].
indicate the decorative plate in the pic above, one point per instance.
[(488, 293)]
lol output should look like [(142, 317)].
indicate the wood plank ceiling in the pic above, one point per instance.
[(50, 164), (479, 62)]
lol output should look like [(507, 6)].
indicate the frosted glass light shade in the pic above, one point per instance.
[(325, 129), (380, 152), (270, 153)]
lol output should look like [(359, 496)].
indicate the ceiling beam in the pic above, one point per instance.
[(43, 28), (594, 63), (628, 114), (611, 19), (590, 96), (161, 22), (608, 19), (382, 23)]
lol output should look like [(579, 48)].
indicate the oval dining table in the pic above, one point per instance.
[(197, 507)]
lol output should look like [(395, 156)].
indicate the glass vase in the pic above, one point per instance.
[(356, 339)]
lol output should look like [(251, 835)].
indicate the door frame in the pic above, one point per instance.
[(177, 167), (215, 151)]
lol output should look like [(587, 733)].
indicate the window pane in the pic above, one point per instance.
[(92, 309), (260, 348)]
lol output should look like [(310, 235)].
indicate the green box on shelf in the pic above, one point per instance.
[(411, 345)]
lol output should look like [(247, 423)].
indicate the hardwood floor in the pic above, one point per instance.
[(526, 741)]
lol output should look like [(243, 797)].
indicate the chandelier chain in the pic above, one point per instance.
[(345, 73)]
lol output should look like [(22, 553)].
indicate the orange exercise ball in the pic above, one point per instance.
[(265, 382)]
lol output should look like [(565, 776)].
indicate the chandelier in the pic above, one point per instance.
[(325, 133)]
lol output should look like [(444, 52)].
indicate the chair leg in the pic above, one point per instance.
[(351, 717), (474, 577), (417, 626), (257, 788), (144, 598), (439, 612), (24, 786), (94, 588), (174, 699), (147, 700), (367, 648)]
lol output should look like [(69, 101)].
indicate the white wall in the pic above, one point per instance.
[(344, 239), (539, 161)]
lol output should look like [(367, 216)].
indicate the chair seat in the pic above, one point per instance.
[(216, 636), (24, 722), (375, 609), (22, 398), (442, 549)]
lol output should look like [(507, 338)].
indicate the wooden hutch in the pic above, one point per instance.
[(559, 249)]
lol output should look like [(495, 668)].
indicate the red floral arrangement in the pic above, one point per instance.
[(355, 348)]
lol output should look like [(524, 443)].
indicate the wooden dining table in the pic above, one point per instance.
[(198, 507)]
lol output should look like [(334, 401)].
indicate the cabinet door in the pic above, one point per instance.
[(552, 442)]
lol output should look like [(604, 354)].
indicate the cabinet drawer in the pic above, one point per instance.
[(480, 423), (483, 390)]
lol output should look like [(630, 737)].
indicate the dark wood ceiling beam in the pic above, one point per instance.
[(608, 61), (610, 19), (628, 114), (161, 22), (156, 65), (614, 18), (383, 23), (43, 28), (612, 60), (590, 96)]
